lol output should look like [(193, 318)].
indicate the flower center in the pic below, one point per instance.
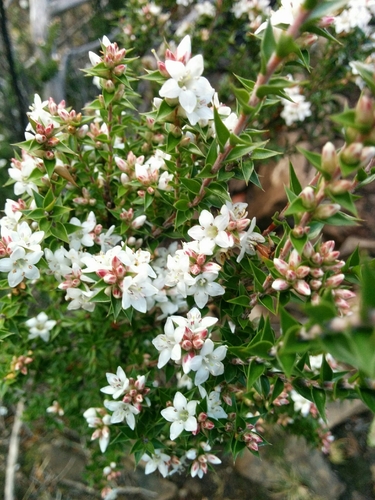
[(184, 415)]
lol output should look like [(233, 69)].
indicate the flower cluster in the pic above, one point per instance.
[(296, 109)]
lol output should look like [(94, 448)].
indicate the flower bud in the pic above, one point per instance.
[(352, 154), (281, 266), (340, 186), (335, 280), (308, 197), (367, 155), (326, 211), (364, 111), (308, 249), (280, 285), (294, 259), (302, 287), (298, 232), (119, 70), (109, 86), (138, 221), (40, 138), (329, 158)]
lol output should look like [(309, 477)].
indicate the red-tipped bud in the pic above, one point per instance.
[(290, 275), (298, 232), (315, 284), (329, 158), (367, 155), (308, 197), (281, 266), (325, 211), (335, 281), (317, 273), (302, 287), (364, 111), (352, 153), (294, 259), (308, 250), (280, 285), (340, 186), (302, 271), (40, 138)]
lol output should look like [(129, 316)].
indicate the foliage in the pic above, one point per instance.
[(106, 269)]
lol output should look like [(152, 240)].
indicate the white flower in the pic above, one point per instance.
[(168, 344), (40, 326), (58, 262), (55, 408), (20, 265), (99, 419), (300, 403), (158, 460), (20, 172), (204, 288), (24, 237), (80, 299), (194, 321), (199, 466), (82, 236), (181, 414), (135, 292), (249, 241), (298, 108), (118, 383), (122, 411), (208, 361), (205, 9), (214, 408), (211, 231)]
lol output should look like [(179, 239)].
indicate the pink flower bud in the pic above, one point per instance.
[(367, 155), (308, 250), (294, 259), (110, 279), (327, 210), (63, 114), (40, 139), (352, 153), (364, 111), (281, 266), (340, 186), (120, 69), (163, 70), (344, 294), (308, 197), (329, 158), (109, 86), (117, 293), (317, 272), (186, 345), (302, 287), (335, 280), (209, 425), (198, 343), (49, 155), (315, 284), (290, 275), (298, 232), (195, 269), (138, 221), (150, 190), (302, 271), (49, 129), (280, 285)]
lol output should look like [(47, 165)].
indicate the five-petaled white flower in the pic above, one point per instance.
[(118, 383), (20, 265), (181, 414), (122, 411), (204, 288), (158, 460), (214, 408), (168, 344), (40, 326), (208, 361), (211, 231)]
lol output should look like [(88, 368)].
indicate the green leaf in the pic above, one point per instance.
[(366, 71), (287, 362), (248, 84), (191, 185), (319, 398), (296, 207), (182, 204), (341, 219), (164, 111), (267, 302), (243, 97), (314, 158), (254, 371), (222, 133), (326, 373), (367, 291), (58, 230), (39, 200), (49, 201), (243, 300), (278, 388), (268, 47), (368, 397), (294, 183), (346, 200), (50, 166)]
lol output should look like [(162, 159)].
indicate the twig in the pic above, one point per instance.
[(13, 452)]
